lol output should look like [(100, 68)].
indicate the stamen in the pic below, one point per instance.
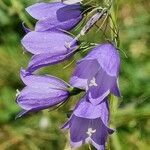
[(90, 132), (93, 82)]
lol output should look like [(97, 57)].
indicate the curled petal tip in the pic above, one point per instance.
[(24, 73), (27, 30), (111, 131), (22, 113)]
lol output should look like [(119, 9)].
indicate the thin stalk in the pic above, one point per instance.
[(17, 6), (113, 100)]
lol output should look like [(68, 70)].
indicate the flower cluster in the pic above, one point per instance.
[(96, 74), (48, 42)]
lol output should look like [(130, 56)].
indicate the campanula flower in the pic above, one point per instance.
[(41, 92), (48, 47), (98, 73), (89, 124), (55, 16)]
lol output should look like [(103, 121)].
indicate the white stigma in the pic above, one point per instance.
[(93, 82), (90, 132)]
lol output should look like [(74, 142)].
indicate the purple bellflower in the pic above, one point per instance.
[(89, 124), (48, 47), (41, 92), (98, 73), (55, 16)]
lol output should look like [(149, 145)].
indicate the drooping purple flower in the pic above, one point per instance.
[(98, 73), (89, 124), (48, 47), (55, 16), (46, 42), (41, 92)]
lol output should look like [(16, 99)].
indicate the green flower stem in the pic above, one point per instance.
[(113, 100), (17, 7), (113, 111), (3, 5)]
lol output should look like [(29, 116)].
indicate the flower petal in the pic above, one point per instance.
[(100, 82), (45, 81), (55, 15), (107, 56), (41, 60), (84, 109), (35, 99), (89, 123), (90, 111), (75, 144), (100, 86), (84, 72), (97, 146), (41, 11), (46, 42), (100, 136), (96, 101), (83, 130), (78, 129), (78, 82), (115, 89), (51, 24)]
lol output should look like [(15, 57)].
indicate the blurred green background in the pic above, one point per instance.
[(41, 131)]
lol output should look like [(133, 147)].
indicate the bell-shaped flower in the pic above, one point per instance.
[(55, 16), (89, 124), (48, 48), (41, 92), (98, 73)]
